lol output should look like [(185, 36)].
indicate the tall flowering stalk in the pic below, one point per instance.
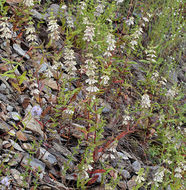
[(5, 31), (70, 62), (31, 36), (53, 28)]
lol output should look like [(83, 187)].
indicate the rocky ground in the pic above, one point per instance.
[(34, 152)]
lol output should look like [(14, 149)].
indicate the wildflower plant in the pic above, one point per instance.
[(99, 49)]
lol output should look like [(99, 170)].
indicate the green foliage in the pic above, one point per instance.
[(151, 42)]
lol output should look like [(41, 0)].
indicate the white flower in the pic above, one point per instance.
[(126, 118), (163, 81), (99, 10), (145, 102), (28, 3), (111, 42), (53, 29), (64, 7), (89, 33), (90, 72), (119, 1), (70, 22), (6, 32), (134, 43), (87, 167), (171, 93), (159, 176), (105, 79), (155, 75), (130, 21), (178, 169), (69, 111), (178, 175), (35, 91), (48, 73), (137, 33), (31, 37), (107, 54), (145, 19), (139, 179), (91, 81), (69, 62), (92, 89), (86, 21)]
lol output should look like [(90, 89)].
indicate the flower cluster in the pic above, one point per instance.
[(34, 89), (111, 42), (99, 10), (151, 54), (70, 22), (70, 62), (4, 28), (130, 21), (89, 69), (158, 177), (5, 181), (126, 119), (30, 32), (135, 36), (119, 1), (171, 93), (28, 3), (36, 111), (53, 29), (145, 102), (89, 33)]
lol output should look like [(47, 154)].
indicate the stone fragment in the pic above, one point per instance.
[(136, 166), (15, 116), (45, 156), (27, 146), (9, 108), (125, 174), (20, 51), (34, 163), (16, 145), (31, 124), (63, 150), (18, 178), (21, 136), (122, 156), (131, 183)]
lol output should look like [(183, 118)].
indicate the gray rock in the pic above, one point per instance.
[(20, 51), (19, 179), (131, 183), (56, 10), (38, 15), (16, 145), (136, 166), (3, 87), (15, 116), (34, 163), (4, 127), (122, 156), (125, 174), (33, 125), (45, 156), (9, 108), (63, 150)]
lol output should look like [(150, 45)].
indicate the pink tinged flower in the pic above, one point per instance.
[(5, 181), (36, 111)]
